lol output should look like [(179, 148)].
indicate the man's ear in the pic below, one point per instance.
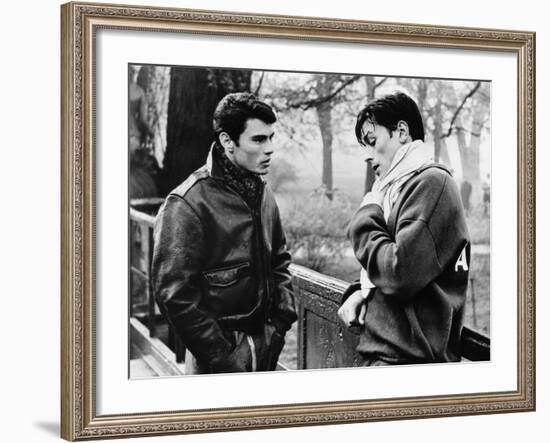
[(227, 143), (403, 129)]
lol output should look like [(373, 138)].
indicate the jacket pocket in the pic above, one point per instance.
[(223, 277), (229, 291)]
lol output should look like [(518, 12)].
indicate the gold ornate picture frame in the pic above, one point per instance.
[(79, 397)]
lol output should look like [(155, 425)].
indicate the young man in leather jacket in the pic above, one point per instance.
[(220, 264)]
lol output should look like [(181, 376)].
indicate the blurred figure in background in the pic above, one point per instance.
[(466, 194), (486, 188), (143, 165)]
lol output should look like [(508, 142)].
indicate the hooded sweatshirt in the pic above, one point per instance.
[(406, 162), (418, 259)]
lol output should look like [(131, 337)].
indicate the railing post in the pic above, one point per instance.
[(131, 227), (473, 298), (147, 249), (301, 339)]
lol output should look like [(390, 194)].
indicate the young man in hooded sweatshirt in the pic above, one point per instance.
[(411, 238)]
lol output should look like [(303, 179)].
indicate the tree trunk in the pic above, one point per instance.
[(369, 172), (469, 154), (325, 124), (441, 154), (324, 84), (194, 94), (422, 95)]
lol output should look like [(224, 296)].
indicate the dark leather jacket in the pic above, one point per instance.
[(219, 266)]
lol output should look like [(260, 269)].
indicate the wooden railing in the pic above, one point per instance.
[(142, 301), (322, 342)]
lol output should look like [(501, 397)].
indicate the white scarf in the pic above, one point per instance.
[(407, 160)]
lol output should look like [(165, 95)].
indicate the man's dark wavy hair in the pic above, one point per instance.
[(388, 111), (235, 109)]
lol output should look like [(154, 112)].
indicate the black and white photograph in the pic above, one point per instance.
[(283, 221)]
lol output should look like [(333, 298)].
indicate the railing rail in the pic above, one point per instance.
[(322, 342)]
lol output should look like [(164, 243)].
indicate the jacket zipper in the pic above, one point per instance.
[(257, 222)]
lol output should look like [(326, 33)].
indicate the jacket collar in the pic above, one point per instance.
[(247, 184), (213, 167)]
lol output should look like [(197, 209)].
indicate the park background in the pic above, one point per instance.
[(29, 380), (318, 172)]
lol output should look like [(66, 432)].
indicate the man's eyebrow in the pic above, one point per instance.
[(262, 136)]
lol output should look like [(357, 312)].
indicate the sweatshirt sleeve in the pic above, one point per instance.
[(407, 262), (177, 262)]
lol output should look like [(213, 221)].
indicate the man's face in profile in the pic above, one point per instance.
[(254, 148), (381, 145)]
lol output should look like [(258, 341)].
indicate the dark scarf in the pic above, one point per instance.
[(247, 184)]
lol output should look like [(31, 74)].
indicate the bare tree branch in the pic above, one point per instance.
[(455, 115), (380, 83), (306, 104), (260, 81)]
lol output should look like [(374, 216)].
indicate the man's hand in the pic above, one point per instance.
[(373, 197), (238, 360), (354, 310)]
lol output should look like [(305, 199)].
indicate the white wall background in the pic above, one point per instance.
[(29, 226)]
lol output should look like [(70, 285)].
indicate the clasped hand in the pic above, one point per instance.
[(353, 310)]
